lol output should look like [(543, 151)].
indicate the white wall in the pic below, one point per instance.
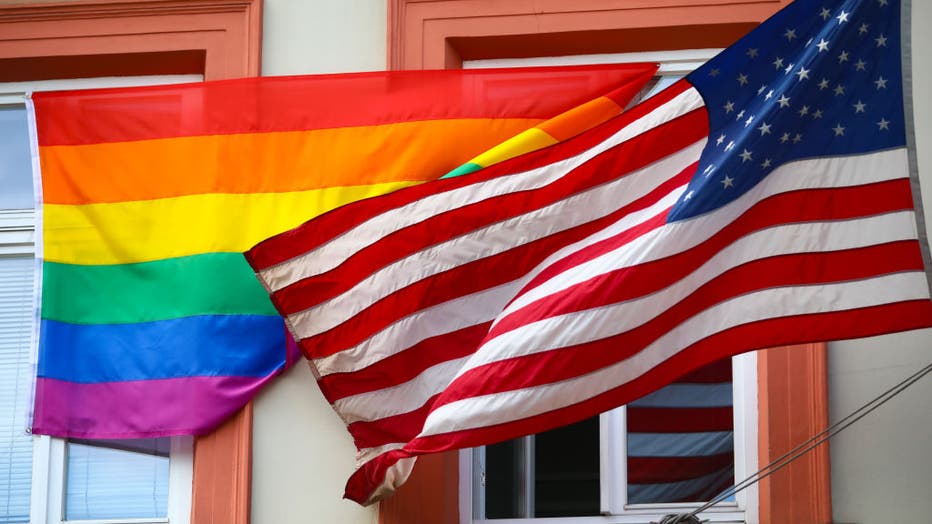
[(302, 454), (323, 36), (882, 465)]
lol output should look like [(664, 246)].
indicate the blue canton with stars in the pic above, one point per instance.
[(819, 78)]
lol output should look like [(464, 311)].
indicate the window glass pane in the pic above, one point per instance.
[(566, 470), (15, 166), (117, 479), (561, 480), (15, 385), (504, 479), (681, 439)]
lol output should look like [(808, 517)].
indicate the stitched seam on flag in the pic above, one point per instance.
[(320, 259), (362, 353), (758, 250), (429, 261), (787, 178), (649, 306), (413, 394), (822, 298)]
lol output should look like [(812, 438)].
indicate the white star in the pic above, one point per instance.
[(859, 107), (728, 107), (708, 170), (688, 196), (790, 34), (785, 138), (761, 90), (804, 111), (860, 65), (883, 124), (740, 115), (714, 73), (769, 95), (882, 2), (842, 17), (808, 42), (764, 129), (783, 101), (881, 83), (749, 120), (765, 164), (778, 63), (881, 40), (730, 146), (788, 68), (839, 90), (720, 140), (823, 84), (745, 155), (728, 181), (803, 73), (743, 79), (798, 138), (822, 45), (843, 57), (863, 29), (817, 115), (752, 52), (839, 130), (825, 14)]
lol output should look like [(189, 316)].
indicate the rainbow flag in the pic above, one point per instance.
[(152, 323)]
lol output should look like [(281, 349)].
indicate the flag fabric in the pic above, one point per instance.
[(151, 322), (764, 200), (680, 439), (559, 128)]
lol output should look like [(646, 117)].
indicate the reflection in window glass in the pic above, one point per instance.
[(681, 439), (15, 167), (117, 479)]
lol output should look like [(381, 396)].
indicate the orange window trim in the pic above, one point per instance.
[(792, 382), (87, 38)]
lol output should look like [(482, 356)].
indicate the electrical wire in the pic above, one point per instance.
[(804, 447)]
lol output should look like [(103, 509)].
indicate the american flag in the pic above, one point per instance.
[(764, 200)]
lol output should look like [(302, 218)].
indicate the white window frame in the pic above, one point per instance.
[(613, 470), (49, 472), (18, 237), (612, 430)]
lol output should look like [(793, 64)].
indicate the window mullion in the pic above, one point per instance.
[(528, 463), (612, 462), (180, 478)]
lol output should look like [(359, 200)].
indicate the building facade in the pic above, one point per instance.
[(286, 457)]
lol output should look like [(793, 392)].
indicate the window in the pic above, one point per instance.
[(51, 480), (637, 463)]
